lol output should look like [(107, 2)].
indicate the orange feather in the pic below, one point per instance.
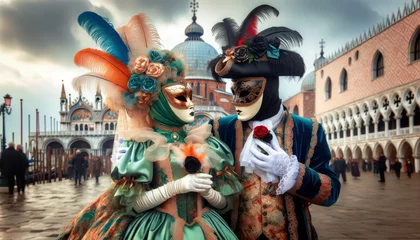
[(105, 65), (189, 150)]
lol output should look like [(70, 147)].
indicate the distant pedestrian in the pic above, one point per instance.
[(24, 168), (340, 168), (364, 165), (369, 165), (397, 168), (97, 168), (355, 169), (70, 168), (382, 166), (10, 165), (85, 168), (78, 161), (410, 168), (375, 166)]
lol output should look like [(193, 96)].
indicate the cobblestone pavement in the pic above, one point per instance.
[(366, 209)]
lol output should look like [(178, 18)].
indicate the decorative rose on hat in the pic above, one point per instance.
[(155, 70), (141, 64), (258, 46), (149, 84), (155, 56), (241, 54), (135, 82)]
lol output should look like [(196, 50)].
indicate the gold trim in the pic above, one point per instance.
[(314, 141), (216, 127)]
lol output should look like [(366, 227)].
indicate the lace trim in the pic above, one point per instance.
[(288, 168)]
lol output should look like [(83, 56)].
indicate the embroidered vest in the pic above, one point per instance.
[(261, 210)]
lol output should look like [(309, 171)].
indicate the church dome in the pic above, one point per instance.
[(196, 52), (308, 83)]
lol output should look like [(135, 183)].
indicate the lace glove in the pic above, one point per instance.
[(215, 198), (278, 163), (199, 182)]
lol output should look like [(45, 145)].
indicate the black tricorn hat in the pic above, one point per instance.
[(248, 53)]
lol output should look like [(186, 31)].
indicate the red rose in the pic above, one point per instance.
[(260, 132)]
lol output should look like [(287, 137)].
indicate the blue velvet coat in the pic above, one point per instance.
[(316, 184)]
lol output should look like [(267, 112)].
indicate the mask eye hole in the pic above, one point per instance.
[(244, 93), (181, 98)]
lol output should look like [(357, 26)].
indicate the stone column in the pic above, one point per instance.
[(367, 131), (398, 125), (351, 134), (402, 161), (376, 128), (411, 123), (417, 164), (386, 127), (359, 132)]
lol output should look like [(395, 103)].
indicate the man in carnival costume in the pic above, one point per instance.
[(170, 183), (283, 159)]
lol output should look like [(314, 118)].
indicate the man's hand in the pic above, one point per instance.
[(275, 161)]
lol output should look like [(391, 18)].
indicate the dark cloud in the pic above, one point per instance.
[(158, 10), (43, 29)]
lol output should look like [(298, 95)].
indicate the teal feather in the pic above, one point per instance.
[(179, 65), (104, 34)]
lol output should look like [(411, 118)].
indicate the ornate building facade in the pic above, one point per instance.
[(210, 97), (83, 125), (303, 103), (368, 93)]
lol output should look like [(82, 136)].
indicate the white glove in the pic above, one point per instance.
[(278, 163), (215, 198), (119, 153), (199, 182)]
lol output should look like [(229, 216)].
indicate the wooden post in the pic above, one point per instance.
[(49, 156)]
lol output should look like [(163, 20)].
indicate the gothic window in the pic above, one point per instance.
[(112, 126), (205, 90), (81, 127), (212, 103), (343, 80), (415, 47), (328, 89), (356, 55), (296, 110), (86, 127), (106, 126), (76, 127), (197, 92), (378, 65)]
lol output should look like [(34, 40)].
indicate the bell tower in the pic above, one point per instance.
[(98, 99)]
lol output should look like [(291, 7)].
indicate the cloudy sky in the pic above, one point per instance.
[(38, 38)]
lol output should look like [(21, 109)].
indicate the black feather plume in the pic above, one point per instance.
[(225, 32), (212, 67), (248, 27), (288, 37), (289, 64)]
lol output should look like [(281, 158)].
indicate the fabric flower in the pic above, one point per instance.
[(135, 82), (258, 46), (260, 132), (155, 56), (192, 164), (155, 70), (241, 54), (141, 64), (149, 84)]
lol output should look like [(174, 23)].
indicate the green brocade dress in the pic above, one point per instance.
[(185, 216)]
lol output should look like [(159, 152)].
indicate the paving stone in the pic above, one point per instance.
[(366, 209)]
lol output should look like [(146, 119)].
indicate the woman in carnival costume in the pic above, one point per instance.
[(283, 159), (169, 183)]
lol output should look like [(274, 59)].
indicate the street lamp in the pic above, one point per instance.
[(5, 108)]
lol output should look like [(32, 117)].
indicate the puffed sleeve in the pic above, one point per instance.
[(132, 174), (225, 180)]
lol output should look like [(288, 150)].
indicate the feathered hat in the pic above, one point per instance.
[(249, 53), (130, 68)]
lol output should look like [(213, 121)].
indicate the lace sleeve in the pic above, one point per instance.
[(288, 168)]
